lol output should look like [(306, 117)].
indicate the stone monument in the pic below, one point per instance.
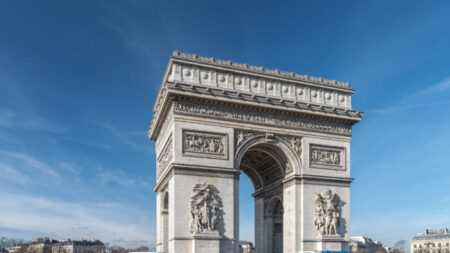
[(290, 133)]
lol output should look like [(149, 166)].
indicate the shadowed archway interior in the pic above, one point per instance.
[(265, 165)]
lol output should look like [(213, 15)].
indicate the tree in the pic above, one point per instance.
[(399, 247)]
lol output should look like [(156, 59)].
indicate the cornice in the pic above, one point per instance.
[(307, 178), (242, 97), (168, 88), (260, 70), (276, 111)]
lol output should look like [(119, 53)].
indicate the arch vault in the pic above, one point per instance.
[(290, 133)]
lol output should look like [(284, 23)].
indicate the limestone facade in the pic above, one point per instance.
[(49, 245), (361, 244), (290, 133), (431, 241)]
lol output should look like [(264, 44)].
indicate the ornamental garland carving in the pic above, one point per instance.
[(327, 213), (204, 144), (164, 157), (327, 157), (206, 210), (222, 113)]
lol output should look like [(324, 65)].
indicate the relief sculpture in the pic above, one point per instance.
[(204, 143), (205, 209), (327, 157), (327, 213)]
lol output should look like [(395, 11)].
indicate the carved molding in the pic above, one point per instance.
[(205, 144), (164, 125), (224, 113), (206, 212), (327, 213), (326, 157), (221, 80), (259, 69), (164, 157)]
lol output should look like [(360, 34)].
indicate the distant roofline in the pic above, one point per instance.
[(260, 69)]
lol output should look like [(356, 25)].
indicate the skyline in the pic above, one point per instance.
[(78, 83)]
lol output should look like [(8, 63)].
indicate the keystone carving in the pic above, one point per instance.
[(327, 213), (205, 209)]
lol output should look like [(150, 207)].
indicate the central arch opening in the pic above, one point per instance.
[(264, 166)]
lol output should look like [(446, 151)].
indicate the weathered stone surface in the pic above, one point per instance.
[(289, 133)]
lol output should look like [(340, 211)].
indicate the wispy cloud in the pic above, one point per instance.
[(134, 36), (7, 172), (433, 89), (28, 162), (116, 177), (65, 219), (413, 100), (69, 167), (10, 118), (99, 145), (120, 178), (124, 137)]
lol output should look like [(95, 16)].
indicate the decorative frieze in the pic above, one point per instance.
[(325, 157), (260, 86), (260, 69), (164, 157), (327, 213), (205, 144), (206, 210), (218, 112)]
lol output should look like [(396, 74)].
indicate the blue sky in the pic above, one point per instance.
[(78, 81)]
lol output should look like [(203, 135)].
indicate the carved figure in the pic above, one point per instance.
[(195, 142), (205, 208), (240, 138), (327, 213), (326, 157), (213, 111)]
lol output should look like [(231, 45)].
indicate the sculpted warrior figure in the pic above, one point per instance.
[(205, 208), (327, 213), (240, 139), (196, 224)]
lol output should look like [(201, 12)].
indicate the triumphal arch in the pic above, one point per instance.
[(290, 133)]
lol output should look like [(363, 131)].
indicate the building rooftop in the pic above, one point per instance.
[(433, 234), (84, 242)]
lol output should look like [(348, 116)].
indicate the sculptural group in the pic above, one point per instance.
[(327, 213), (205, 208)]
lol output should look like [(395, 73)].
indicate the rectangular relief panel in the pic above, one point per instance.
[(164, 157), (327, 157), (205, 144)]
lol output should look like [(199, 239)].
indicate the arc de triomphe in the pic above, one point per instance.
[(289, 133)]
